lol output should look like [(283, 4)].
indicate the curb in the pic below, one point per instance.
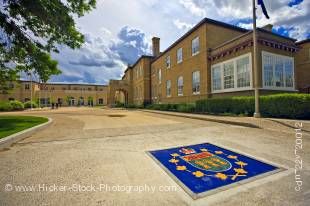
[(9, 140), (243, 124)]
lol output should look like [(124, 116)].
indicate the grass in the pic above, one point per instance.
[(13, 124)]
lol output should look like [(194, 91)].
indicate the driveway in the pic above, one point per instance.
[(93, 156)]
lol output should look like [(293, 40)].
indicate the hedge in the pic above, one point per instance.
[(295, 106), (29, 103)]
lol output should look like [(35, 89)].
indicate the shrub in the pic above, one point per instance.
[(119, 104), (186, 107), (278, 105), (17, 105), (29, 103), (5, 106), (295, 106)]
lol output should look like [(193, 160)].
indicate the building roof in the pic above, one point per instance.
[(303, 41), (218, 23), (65, 83), (202, 22)]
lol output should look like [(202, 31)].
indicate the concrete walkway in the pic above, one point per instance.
[(90, 156), (282, 125)]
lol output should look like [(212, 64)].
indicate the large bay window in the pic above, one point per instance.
[(229, 75), (232, 75), (243, 72), (278, 71)]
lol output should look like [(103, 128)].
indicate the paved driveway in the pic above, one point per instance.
[(98, 157)]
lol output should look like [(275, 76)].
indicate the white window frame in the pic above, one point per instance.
[(236, 88), (273, 69), (168, 60), (196, 93), (167, 88), (180, 94), (180, 51), (197, 52)]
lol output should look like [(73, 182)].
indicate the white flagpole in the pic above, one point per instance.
[(256, 79)]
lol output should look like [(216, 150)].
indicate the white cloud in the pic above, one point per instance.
[(295, 18), (182, 25), (106, 52)]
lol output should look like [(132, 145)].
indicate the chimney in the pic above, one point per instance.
[(268, 27), (156, 46)]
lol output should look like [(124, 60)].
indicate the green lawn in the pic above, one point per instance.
[(13, 124)]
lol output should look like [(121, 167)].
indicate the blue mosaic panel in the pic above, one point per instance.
[(205, 167)]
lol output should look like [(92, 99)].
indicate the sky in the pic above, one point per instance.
[(118, 32)]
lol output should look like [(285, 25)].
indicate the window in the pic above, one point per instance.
[(180, 86), (159, 76), (179, 55), (27, 86), (228, 75), (278, 71), (27, 99), (100, 101), (217, 78), (11, 99), (196, 82), (168, 62), (232, 75), (195, 46), (243, 72), (168, 88)]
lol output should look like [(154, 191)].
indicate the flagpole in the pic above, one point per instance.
[(256, 79)]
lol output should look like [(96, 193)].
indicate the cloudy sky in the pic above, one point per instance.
[(118, 32)]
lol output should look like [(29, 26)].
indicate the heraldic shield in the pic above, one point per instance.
[(207, 161)]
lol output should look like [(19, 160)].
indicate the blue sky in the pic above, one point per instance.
[(118, 32)]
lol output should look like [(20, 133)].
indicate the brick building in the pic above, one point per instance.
[(64, 94), (215, 59)]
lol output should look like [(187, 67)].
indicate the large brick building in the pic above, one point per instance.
[(214, 59)]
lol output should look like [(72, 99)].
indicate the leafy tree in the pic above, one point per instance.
[(31, 29)]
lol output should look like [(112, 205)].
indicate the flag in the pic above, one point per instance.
[(261, 3)]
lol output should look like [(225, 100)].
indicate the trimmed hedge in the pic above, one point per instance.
[(295, 106), (182, 107), (28, 104)]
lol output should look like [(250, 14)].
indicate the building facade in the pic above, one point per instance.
[(214, 59), (63, 94)]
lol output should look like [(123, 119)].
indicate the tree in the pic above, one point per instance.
[(31, 30)]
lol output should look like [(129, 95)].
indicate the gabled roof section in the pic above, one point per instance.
[(202, 22), (303, 42)]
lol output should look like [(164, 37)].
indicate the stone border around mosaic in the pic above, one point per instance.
[(195, 196), (9, 140)]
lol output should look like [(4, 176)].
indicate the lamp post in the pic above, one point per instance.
[(256, 79)]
